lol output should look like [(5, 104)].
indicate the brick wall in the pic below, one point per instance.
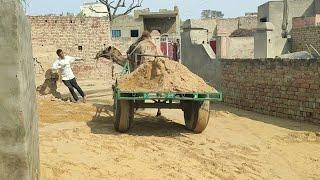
[(227, 26), (123, 43), (306, 35), (70, 33), (283, 88), (209, 24), (100, 69), (224, 26), (300, 22), (248, 22)]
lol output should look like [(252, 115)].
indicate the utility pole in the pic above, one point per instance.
[(285, 19)]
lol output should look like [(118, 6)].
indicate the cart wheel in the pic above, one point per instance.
[(123, 115), (196, 115)]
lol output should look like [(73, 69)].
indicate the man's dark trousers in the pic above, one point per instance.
[(71, 84)]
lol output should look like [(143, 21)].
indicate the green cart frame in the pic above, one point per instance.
[(196, 106)]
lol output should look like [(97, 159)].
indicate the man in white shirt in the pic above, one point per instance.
[(68, 78)]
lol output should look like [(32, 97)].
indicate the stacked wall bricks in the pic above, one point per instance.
[(78, 36), (283, 88), (305, 35)]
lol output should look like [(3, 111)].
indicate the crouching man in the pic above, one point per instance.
[(68, 78)]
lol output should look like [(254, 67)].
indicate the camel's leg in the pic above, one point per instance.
[(112, 71), (159, 113)]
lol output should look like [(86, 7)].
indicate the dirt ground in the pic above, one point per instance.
[(77, 141)]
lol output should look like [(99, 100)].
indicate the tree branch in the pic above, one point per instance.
[(116, 8), (106, 3), (113, 9), (131, 7), (110, 5)]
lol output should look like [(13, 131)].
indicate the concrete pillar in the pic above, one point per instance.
[(264, 46), (221, 47), (19, 149)]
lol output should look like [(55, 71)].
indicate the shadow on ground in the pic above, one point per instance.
[(280, 122), (143, 125), (91, 93)]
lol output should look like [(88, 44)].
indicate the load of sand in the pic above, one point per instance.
[(163, 75)]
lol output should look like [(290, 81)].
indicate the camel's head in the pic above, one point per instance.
[(104, 53), (108, 53)]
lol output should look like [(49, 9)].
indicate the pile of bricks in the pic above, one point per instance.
[(283, 88)]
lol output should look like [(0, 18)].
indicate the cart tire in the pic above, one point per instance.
[(123, 115), (196, 115)]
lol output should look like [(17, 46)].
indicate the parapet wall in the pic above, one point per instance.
[(235, 47), (226, 26), (283, 88)]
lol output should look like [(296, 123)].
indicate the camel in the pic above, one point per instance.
[(143, 46), (140, 47), (112, 53)]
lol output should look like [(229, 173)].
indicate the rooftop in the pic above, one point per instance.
[(162, 13), (159, 14)]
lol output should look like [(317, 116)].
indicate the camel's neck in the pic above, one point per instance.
[(119, 60)]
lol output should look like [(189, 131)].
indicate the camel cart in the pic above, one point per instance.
[(196, 106)]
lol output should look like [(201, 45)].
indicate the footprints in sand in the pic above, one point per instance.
[(300, 137)]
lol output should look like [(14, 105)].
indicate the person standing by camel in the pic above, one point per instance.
[(68, 78)]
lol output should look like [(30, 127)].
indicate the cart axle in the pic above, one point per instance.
[(158, 105)]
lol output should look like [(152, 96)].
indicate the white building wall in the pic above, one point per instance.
[(97, 6)]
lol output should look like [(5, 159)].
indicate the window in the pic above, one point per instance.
[(80, 48), (134, 33), (116, 33), (264, 19)]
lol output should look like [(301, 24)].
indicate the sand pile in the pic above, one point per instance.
[(163, 75)]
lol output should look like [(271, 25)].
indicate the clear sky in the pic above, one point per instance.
[(189, 8)]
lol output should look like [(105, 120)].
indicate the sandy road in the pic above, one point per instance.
[(78, 141)]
